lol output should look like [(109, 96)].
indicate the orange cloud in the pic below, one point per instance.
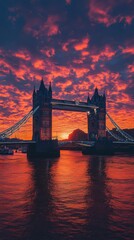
[(39, 64), (80, 71), (63, 85), (128, 49), (22, 54), (82, 45), (65, 46), (85, 53), (106, 53)]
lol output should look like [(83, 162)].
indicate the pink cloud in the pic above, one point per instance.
[(127, 19), (65, 47), (48, 52), (51, 25), (100, 11), (131, 68), (128, 49), (39, 28), (78, 61), (68, 1)]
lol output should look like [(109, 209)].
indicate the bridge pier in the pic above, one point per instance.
[(43, 149)]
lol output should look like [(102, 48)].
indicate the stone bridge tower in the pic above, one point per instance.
[(42, 119), (97, 119)]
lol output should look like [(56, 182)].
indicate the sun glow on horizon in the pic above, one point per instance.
[(64, 136)]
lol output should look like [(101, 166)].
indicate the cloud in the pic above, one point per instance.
[(131, 68), (48, 52), (126, 19), (22, 54), (105, 54), (128, 49), (99, 11), (68, 1), (39, 27), (66, 45), (82, 45), (107, 13)]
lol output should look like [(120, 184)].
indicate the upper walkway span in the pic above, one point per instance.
[(74, 106)]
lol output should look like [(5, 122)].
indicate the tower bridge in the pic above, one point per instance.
[(44, 103), (42, 119)]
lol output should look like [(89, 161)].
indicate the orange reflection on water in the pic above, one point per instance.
[(71, 186), (120, 175), (15, 179)]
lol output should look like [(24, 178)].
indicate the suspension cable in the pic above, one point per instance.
[(8, 132), (114, 135), (124, 134)]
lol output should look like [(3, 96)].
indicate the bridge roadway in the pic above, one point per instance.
[(62, 142), (15, 142), (74, 106)]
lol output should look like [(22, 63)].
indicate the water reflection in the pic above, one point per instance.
[(100, 210), (68, 204), (58, 206), (76, 197), (39, 195)]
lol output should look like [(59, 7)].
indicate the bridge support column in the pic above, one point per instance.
[(42, 125), (97, 118), (42, 119)]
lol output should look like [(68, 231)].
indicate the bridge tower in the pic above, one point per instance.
[(97, 119), (42, 119)]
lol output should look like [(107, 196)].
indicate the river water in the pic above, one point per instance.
[(74, 197)]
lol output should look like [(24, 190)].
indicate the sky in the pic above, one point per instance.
[(77, 45)]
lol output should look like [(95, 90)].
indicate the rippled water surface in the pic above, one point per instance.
[(74, 197)]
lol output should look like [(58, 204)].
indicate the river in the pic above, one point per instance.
[(74, 197)]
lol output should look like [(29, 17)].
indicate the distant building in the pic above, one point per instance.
[(97, 119)]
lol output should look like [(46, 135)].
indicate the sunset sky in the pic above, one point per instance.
[(77, 45)]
